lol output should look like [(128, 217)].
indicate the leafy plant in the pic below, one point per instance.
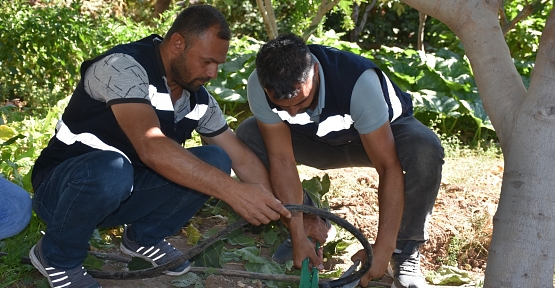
[(42, 66), (240, 247)]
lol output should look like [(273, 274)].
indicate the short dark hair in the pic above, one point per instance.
[(282, 64), (194, 20)]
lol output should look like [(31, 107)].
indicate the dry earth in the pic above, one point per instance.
[(459, 230)]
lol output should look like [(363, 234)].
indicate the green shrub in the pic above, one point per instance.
[(40, 65)]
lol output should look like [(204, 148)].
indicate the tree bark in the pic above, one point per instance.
[(421, 24), (359, 26), (160, 7), (267, 12), (521, 252)]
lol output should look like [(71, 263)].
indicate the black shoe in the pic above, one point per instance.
[(58, 278), (158, 254)]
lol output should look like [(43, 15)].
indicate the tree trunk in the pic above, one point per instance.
[(522, 252), (269, 18), (160, 7), (421, 24)]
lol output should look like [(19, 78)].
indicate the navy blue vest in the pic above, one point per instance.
[(341, 71), (86, 115)]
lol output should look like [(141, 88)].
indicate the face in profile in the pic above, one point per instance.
[(198, 63)]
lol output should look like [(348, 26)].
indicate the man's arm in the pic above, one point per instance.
[(245, 163), (380, 148), (286, 184), (140, 124)]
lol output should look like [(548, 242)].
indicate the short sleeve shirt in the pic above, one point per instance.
[(118, 76)]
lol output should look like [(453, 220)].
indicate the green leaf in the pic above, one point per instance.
[(210, 257), (269, 267), (99, 242), (137, 263), (193, 235), (6, 132), (313, 185), (478, 113), (448, 275), (250, 254), (445, 106), (210, 233), (270, 235), (229, 256), (12, 140), (432, 81), (238, 237), (93, 263), (326, 184), (185, 280)]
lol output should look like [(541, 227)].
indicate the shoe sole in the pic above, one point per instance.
[(167, 272), (36, 263)]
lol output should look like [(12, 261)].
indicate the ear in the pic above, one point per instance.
[(177, 43)]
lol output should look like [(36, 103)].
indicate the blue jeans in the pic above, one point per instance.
[(15, 208), (420, 153), (102, 189)]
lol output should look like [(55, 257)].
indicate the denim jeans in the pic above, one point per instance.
[(420, 153), (15, 208), (102, 189)]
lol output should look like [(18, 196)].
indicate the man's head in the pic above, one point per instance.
[(288, 73), (199, 38)]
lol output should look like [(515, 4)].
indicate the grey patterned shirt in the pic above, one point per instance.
[(119, 76)]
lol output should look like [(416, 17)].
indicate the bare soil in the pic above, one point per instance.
[(459, 231)]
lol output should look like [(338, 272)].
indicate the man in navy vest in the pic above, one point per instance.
[(118, 158), (325, 108)]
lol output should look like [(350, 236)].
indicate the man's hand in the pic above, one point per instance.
[(303, 248), (256, 204), (315, 228), (252, 200), (379, 263)]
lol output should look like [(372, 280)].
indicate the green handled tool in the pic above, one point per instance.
[(309, 279)]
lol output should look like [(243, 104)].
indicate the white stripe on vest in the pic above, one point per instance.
[(162, 101), (198, 112), (299, 119), (394, 99), (331, 124), (65, 135)]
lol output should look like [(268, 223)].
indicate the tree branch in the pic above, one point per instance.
[(507, 25), (323, 9), (271, 17), (421, 23), (542, 81), (360, 26), (268, 16)]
